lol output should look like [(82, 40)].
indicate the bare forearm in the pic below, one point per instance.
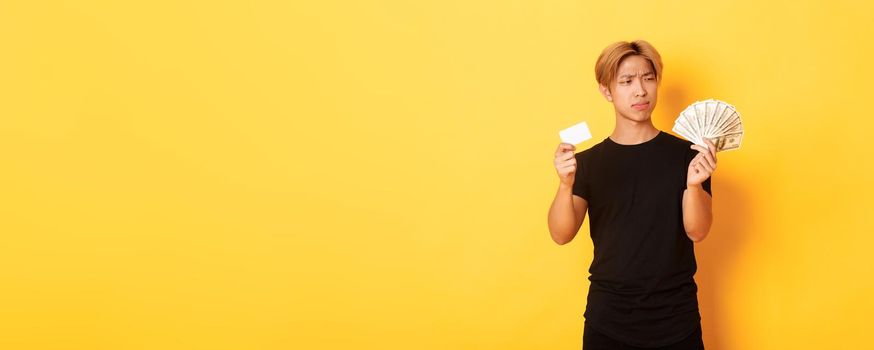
[(561, 215), (697, 212)]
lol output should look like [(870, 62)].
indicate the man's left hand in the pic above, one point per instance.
[(703, 165)]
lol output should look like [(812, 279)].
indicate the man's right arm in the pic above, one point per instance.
[(566, 214)]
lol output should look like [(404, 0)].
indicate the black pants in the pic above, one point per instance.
[(594, 340)]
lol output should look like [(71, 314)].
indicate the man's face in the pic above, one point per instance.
[(635, 88)]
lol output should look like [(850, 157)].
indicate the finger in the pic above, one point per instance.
[(708, 156), (696, 158), (563, 162), (564, 147), (699, 148), (561, 158), (707, 153), (709, 143), (712, 148), (700, 168), (705, 166)]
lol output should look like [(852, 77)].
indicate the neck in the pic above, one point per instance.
[(630, 132)]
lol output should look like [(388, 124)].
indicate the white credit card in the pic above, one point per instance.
[(575, 134)]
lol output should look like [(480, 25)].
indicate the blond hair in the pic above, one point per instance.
[(608, 62)]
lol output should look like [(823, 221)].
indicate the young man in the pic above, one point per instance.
[(647, 194)]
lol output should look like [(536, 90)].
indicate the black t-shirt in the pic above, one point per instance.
[(643, 290)]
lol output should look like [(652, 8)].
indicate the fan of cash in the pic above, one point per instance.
[(713, 120)]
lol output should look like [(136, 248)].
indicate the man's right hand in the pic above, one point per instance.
[(566, 163)]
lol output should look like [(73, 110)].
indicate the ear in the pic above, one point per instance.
[(606, 92)]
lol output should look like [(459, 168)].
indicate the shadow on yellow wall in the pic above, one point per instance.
[(732, 215)]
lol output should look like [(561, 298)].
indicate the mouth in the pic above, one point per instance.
[(640, 106)]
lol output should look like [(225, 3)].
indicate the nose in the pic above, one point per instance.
[(639, 90)]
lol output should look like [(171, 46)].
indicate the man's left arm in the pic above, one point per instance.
[(697, 203)]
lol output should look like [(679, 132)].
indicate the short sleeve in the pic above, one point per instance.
[(690, 154), (581, 186)]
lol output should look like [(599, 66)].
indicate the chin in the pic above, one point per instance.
[(638, 117)]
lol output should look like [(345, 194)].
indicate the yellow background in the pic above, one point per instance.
[(376, 175)]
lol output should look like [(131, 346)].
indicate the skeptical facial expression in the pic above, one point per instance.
[(635, 88)]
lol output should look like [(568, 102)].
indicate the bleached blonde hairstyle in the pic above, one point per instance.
[(608, 62)]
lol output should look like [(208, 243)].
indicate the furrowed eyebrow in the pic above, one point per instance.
[(634, 75)]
